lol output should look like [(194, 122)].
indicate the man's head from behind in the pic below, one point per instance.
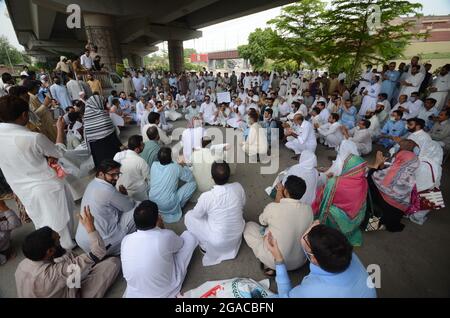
[(152, 133), (327, 248), (136, 144), (165, 156), (42, 245), (146, 216), (294, 188), (14, 109), (153, 118), (109, 171), (220, 172)]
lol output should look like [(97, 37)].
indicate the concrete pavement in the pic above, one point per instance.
[(414, 263)]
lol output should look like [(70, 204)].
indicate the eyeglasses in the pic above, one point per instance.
[(114, 175), (307, 243)]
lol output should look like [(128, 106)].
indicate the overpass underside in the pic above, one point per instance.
[(122, 28)]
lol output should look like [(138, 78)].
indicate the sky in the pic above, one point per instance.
[(227, 35)]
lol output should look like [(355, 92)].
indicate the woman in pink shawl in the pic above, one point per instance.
[(391, 187), (341, 203)]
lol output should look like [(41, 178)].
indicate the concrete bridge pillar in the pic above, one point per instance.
[(100, 31), (176, 56), (135, 60)]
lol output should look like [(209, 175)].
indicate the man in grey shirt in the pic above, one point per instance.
[(112, 210)]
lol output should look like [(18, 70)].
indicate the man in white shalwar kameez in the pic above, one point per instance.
[(208, 111), (154, 260), (202, 160), (192, 137), (330, 133), (440, 87), (369, 102), (25, 164), (134, 170), (412, 82), (302, 136), (217, 219)]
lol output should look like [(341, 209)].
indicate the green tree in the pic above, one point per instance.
[(298, 28), (9, 53), (261, 44), (157, 61), (347, 42)]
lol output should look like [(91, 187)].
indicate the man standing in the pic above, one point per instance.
[(412, 82), (60, 93), (74, 87), (135, 172), (25, 162), (233, 81), (369, 101), (217, 219), (86, 60), (42, 110), (112, 210), (440, 87), (95, 85), (40, 276), (390, 80), (155, 260)]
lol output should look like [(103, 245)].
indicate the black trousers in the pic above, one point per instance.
[(390, 216), (105, 148)]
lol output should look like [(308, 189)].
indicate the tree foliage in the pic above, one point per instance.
[(261, 45), (339, 37), (9, 53), (348, 42), (160, 61)]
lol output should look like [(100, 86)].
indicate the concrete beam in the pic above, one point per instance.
[(173, 13), (68, 44), (141, 27), (129, 49), (112, 7), (172, 33), (223, 10), (43, 20), (135, 29)]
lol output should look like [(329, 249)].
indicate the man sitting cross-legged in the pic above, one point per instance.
[(48, 270), (287, 218), (217, 219), (154, 259)]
